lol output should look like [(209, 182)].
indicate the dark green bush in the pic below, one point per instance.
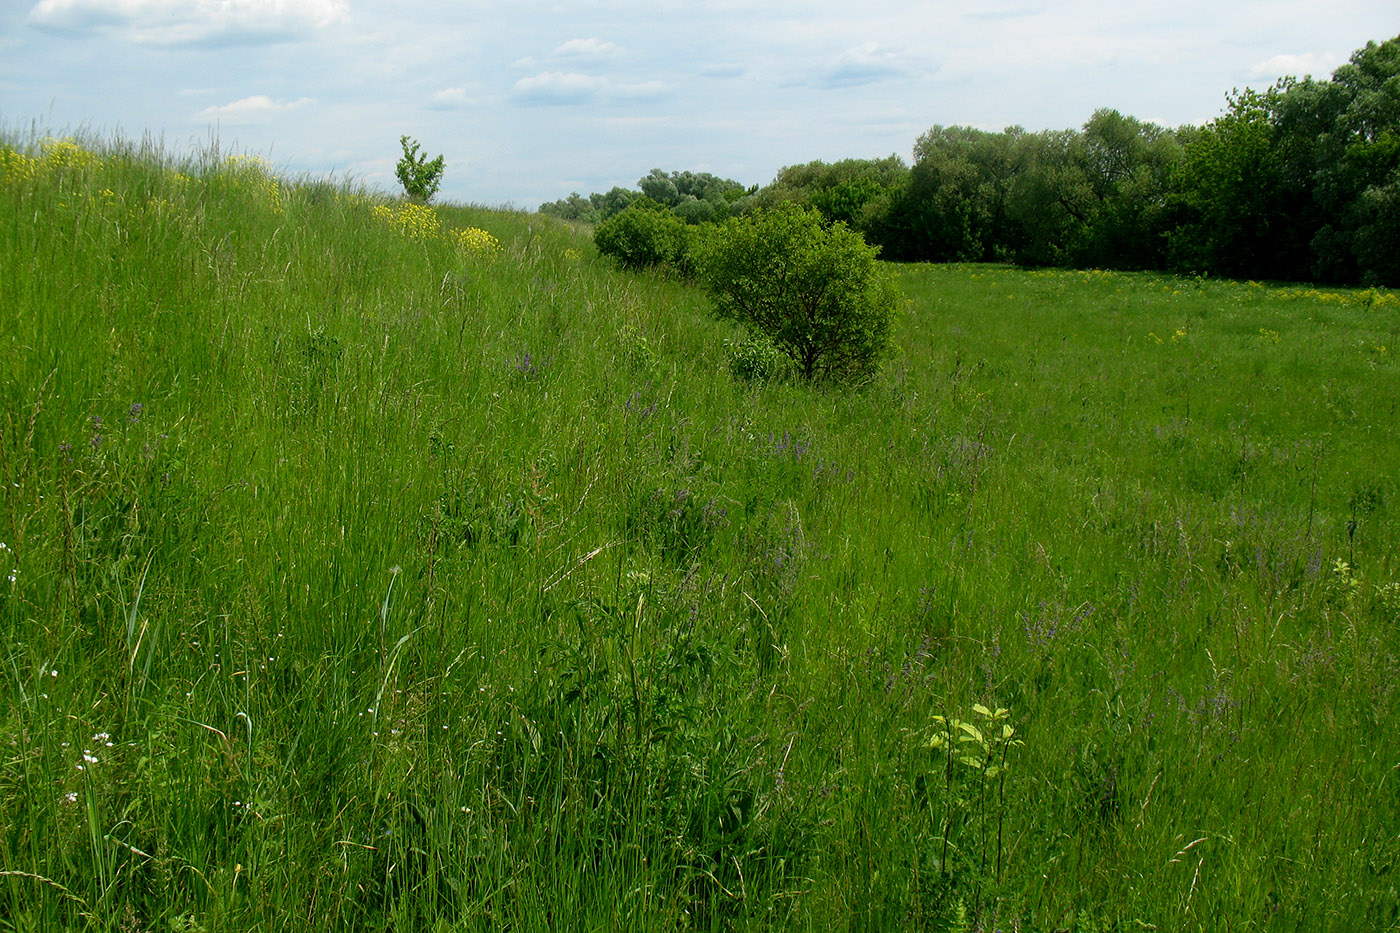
[(646, 234)]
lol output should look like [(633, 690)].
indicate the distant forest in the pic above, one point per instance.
[(1298, 182)]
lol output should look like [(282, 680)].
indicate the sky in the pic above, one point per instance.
[(528, 101)]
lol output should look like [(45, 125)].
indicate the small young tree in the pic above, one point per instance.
[(419, 176), (816, 291)]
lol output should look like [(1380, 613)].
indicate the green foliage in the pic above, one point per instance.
[(841, 190), (970, 760), (1298, 181), (419, 175), (1376, 241), (1130, 167), (674, 188), (815, 291), (593, 208), (574, 207), (637, 352), (1092, 197), (1231, 190), (694, 197), (1070, 197), (660, 187), (642, 236), (615, 201), (692, 210), (845, 201), (754, 358)]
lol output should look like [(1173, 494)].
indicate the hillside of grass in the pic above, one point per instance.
[(371, 566)]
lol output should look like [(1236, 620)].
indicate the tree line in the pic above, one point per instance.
[(1297, 182), (695, 197)]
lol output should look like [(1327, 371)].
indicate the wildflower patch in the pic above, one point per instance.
[(477, 241), (415, 221)]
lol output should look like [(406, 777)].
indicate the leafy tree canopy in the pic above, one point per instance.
[(815, 290), (670, 190)]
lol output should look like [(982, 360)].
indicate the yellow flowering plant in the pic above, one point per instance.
[(415, 221), (17, 168), (477, 241), (67, 154)]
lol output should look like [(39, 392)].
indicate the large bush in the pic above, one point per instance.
[(646, 234), (816, 291)]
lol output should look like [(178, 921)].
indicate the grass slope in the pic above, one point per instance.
[(370, 567)]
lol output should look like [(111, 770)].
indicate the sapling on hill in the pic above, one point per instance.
[(419, 175)]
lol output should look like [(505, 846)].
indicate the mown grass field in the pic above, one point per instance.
[(361, 571)]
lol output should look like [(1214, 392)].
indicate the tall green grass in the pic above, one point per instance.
[(360, 575)]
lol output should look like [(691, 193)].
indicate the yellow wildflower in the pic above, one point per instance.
[(476, 240), (16, 167), (64, 153), (418, 221), (415, 221)]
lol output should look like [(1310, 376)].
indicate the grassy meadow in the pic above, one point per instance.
[(373, 567)]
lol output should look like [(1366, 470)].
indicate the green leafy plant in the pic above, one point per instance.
[(646, 234), (975, 749), (419, 175), (753, 358), (816, 291)]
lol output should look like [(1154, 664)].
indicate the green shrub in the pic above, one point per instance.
[(816, 292), (646, 234), (753, 358)]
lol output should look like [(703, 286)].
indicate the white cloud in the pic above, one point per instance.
[(450, 98), (553, 87), (864, 64), (253, 109), (189, 22), (645, 90), (1317, 64), (591, 49)]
